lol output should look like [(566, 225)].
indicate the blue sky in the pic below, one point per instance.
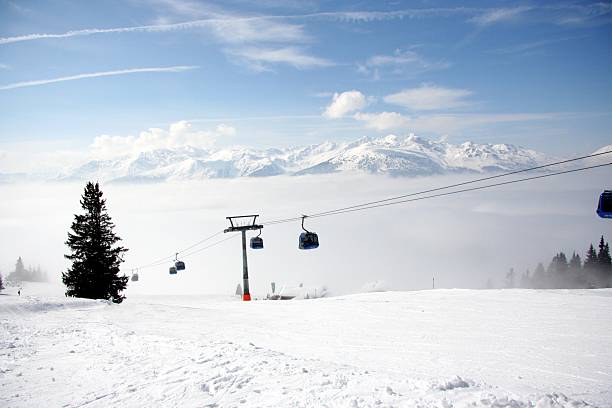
[(280, 73)]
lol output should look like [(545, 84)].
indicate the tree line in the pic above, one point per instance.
[(29, 274), (573, 273)]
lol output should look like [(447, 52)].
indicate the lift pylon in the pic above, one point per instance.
[(244, 223)]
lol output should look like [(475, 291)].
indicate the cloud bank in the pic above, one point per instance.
[(462, 240), (179, 134)]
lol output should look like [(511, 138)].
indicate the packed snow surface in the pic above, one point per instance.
[(436, 348)]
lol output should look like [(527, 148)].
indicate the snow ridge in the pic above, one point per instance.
[(391, 155)]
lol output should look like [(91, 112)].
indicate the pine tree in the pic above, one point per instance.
[(591, 268), (591, 257), (525, 280), (19, 274), (603, 256), (558, 271), (576, 276), (95, 260), (604, 263), (1, 282), (539, 277)]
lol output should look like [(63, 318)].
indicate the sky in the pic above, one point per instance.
[(82, 80), (285, 73)]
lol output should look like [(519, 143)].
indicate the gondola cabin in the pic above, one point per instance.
[(134, 277), (309, 240), (604, 209), (172, 270), (257, 243), (179, 265)]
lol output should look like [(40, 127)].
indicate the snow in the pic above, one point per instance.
[(394, 155), (436, 348)]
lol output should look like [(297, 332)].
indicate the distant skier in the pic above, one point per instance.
[(19, 292)]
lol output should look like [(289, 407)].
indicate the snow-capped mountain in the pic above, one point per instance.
[(391, 155)]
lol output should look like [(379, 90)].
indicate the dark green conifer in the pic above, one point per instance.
[(558, 271), (577, 279), (95, 259), (604, 263)]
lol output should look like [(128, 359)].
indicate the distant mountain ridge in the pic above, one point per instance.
[(390, 155)]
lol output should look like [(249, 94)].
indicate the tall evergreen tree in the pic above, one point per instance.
[(539, 277), (591, 257), (19, 274), (591, 266), (604, 263), (525, 280), (1, 282), (95, 259), (577, 279), (603, 256), (558, 271)]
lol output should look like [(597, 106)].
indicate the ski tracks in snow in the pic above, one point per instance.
[(77, 357)]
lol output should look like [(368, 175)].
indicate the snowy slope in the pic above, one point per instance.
[(603, 158), (393, 155), (442, 348)]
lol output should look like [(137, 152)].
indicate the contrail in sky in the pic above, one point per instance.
[(178, 68)]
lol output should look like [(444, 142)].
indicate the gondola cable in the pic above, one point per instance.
[(166, 259), (462, 190), (339, 210), (402, 199)]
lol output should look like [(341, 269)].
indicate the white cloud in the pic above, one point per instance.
[(180, 68), (369, 16), (455, 123), (260, 58), (580, 14), (532, 46), (559, 14), (179, 134), (184, 7), (262, 27), (4, 66), (227, 28), (243, 33), (39, 157), (401, 62), (225, 130), (499, 15), (257, 30), (444, 124), (220, 18), (344, 103), (429, 97), (322, 94), (383, 120)]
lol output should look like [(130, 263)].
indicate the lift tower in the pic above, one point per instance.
[(244, 223)]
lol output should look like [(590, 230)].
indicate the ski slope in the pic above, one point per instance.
[(437, 348)]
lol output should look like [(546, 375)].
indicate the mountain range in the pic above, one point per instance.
[(390, 155)]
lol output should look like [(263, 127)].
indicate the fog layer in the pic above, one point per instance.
[(461, 240)]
